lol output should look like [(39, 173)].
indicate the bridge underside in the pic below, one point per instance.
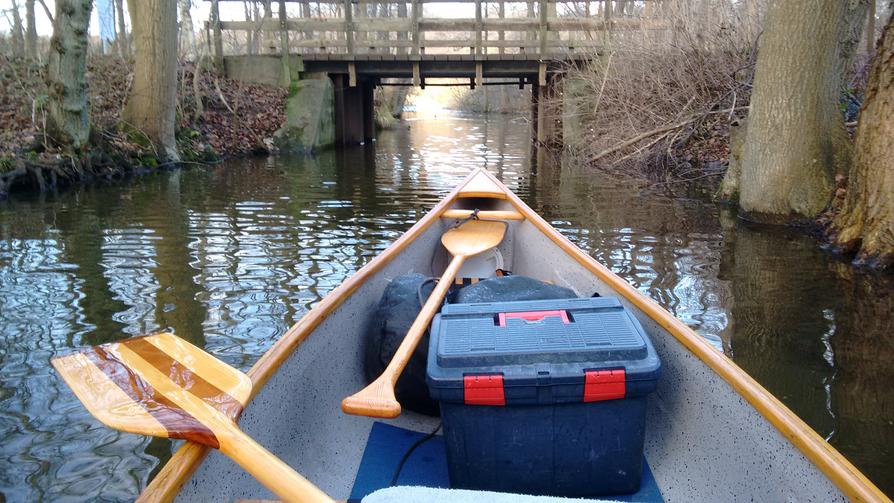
[(355, 76), (508, 66)]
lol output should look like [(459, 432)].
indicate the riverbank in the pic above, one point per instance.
[(679, 119), (217, 118)]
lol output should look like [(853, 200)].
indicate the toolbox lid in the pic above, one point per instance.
[(545, 343)]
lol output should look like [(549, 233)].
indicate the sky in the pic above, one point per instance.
[(200, 12)]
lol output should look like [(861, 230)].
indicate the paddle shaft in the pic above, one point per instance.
[(269, 470), (417, 329), (377, 399)]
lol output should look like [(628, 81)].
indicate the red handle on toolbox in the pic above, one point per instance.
[(534, 316), (604, 385)]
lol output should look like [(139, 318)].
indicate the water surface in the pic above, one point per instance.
[(230, 257)]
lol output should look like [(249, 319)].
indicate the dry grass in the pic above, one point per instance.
[(661, 102)]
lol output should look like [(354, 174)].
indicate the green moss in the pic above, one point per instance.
[(135, 136), (149, 161), (192, 148)]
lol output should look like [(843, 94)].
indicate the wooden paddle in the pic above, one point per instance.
[(163, 386), (470, 238)]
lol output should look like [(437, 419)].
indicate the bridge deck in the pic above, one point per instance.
[(360, 34)]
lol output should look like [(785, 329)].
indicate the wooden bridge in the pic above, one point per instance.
[(358, 43)]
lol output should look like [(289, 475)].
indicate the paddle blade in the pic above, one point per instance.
[(474, 237), (375, 400), (156, 385)]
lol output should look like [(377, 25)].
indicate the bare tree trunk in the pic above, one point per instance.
[(31, 31), (197, 85), (250, 35), (152, 102), (305, 13), (46, 10), (265, 40), (123, 43), (796, 138), (68, 114), (852, 25), (17, 35), (866, 223), (187, 34), (870, 28)]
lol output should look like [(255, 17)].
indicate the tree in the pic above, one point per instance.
[(30, 31), (68, 119), (187, 34), (796, 139), (121, 35), (151, 106), (866, 222), (16, 35)]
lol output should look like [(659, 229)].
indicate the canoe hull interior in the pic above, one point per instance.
[(704, 442)]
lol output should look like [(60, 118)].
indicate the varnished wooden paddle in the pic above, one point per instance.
[(163, 386), (469, 239)]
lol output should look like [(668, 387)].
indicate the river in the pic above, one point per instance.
[(230, 256)]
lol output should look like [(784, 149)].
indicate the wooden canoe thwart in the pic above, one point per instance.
[(484, 215), (711, 429)]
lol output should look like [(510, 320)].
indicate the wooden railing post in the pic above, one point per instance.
[(501, 34), (417, 40), (218, 39), (305, 13), (529, 35), (349, 26), (478, 27), (362, 12), (543, 33)]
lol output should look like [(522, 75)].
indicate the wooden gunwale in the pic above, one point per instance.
[(165, 486), (832, 463)]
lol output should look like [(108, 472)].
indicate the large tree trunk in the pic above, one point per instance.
[(68, 119), (153, 98), (866, 223), (796, 139), (31, 30)]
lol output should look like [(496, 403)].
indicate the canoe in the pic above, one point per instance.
[(712, 432)]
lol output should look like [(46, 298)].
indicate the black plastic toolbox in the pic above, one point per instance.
[(542, 397)]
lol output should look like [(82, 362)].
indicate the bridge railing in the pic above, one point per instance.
[(539, 29)]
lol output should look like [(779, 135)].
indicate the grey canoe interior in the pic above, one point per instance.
[(704, 442)]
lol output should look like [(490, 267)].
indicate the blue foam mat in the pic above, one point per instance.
[(427, 465)]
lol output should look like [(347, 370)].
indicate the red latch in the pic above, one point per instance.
[(604, 385), (483, 390), (534, 316)]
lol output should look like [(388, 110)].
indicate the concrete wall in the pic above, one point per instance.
[(310, 116), (262, 69)]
